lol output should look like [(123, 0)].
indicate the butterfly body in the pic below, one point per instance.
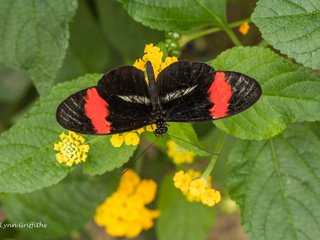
[(183, 92)]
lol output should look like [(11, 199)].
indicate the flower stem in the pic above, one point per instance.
[(233, 37), (214, 159), (193, 35)]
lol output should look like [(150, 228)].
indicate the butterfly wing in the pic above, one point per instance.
[(119, 103), (193, 91)]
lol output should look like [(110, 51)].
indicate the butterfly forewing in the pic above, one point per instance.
[(245, 92), (193, 91), (182, 91), (119, 103)]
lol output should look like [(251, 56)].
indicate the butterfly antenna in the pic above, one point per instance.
[(200, 147), (143, 152)]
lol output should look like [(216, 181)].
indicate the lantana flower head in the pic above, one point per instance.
[(124, 213), (71, 149), (196, 188)]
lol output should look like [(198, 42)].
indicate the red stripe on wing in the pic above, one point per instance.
[(220, 93), (96, 109)]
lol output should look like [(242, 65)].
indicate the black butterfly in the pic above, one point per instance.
[(183, 92)]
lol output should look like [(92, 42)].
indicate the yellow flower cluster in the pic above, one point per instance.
[(154, 55), (196, 188), (124, 212), (178, 154), (71, 149), (244, 28), (129, 138)]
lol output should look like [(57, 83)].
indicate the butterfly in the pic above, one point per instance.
[(185, 91)]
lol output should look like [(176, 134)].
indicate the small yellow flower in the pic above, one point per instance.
[(151, 128), (146, 190), (117, 140), (182, 181), (198, 187), (131, 138), (244, 28), (140, 130), (140, 64), (124, 213), (194, 174), (210, 197), (71, 149), (167, 62), (129, 181), (178, 154), (154, 55)]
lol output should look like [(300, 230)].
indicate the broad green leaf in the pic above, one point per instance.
[(113, 17), (315, 128), (291, 27), (63, 208), (184, 135), (276, 184), (88, 51), (34, 37), (27, 160), (180, 219), (289, 93), (183, 15)]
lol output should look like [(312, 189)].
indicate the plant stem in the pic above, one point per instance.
[(193, 35), (233, 37), (214, 159)]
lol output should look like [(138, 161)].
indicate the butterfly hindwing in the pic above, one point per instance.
[(119, 103), (193, 91)]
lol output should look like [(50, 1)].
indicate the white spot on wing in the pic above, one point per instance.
[(177, 94), (135, 99)]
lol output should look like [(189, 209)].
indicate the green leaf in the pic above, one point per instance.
[(13, 84), (315, 128), (183, 15), (87, 53), (291, 27), (289, 93), (27, 160), (104, 157), (184, 135), (180, 219), (34, 37), (276, 184), (63, 208), (113, 17)]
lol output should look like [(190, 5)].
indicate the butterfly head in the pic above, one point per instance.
[(161, 130), (161, 125)]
